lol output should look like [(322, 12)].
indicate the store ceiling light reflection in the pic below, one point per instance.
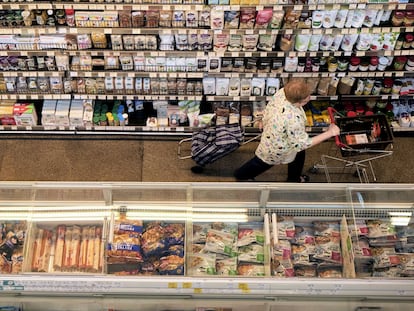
[(400, 218), (147, 212)]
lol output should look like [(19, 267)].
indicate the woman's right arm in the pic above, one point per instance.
[(333, 130)]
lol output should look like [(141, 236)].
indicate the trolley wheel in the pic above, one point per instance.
[(314, 170), (197, 169), (356, 175)]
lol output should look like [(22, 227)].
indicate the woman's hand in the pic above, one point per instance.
[(333, 130)]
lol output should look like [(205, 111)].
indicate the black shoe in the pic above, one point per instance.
[(197, 169)]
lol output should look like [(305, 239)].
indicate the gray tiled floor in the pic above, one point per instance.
[(121, 159)]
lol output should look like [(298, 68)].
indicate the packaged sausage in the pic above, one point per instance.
[(59, 249)]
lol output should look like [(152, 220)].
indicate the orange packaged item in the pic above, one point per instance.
[(60, 247)]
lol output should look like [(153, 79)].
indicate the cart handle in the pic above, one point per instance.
[(332, 112)]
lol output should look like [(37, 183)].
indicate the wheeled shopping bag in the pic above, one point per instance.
[(363, 139), (212, 143)]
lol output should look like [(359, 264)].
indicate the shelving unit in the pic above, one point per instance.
[(186, 73)]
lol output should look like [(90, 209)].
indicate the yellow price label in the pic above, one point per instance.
[(172, 285), (198, 290), (243, 286), (187, 285)]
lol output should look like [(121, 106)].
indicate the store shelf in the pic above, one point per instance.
[(179, 131), (135, 6), (38, 30), (177, 53), (127, 94)]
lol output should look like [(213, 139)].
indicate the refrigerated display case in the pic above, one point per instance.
[(340, 278)]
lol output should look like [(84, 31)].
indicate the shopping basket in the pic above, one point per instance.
[(212, 143), (362, 139)]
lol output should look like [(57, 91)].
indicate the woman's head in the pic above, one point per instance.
[(297, 91)]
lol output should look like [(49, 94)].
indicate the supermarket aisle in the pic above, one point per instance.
[(70, 160), (121, 159)]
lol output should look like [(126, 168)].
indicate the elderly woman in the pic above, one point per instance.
[(284, 138)]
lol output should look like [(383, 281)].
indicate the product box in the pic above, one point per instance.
[(25, 114), (87, 112), (162, 112), (48, 112), (6, 114), (62, 112), (76, 113)]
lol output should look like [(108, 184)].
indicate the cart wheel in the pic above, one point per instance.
[(197, 169), (313, 170)]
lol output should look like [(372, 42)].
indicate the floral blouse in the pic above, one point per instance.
[(284, 132)]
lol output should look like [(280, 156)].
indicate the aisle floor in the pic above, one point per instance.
[(144, 160)]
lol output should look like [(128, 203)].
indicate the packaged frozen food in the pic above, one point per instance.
[(251, 253), (250, 233), (12, 242), (201, 264), (126, 243), (226, 266), (250, 270)]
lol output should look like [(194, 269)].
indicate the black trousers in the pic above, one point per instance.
[(255, 167)]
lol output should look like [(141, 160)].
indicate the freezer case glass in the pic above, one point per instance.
[(199, 246)]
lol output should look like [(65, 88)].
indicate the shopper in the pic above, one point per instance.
[(284, 138)]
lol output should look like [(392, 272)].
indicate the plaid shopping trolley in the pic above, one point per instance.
[(212, 143)]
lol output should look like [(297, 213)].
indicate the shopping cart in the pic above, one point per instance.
[(212, 143), (363, 139)]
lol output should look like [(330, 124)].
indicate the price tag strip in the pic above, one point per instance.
[(243, 287)]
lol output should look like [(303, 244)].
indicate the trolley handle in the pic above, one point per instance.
[(331, 112)]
